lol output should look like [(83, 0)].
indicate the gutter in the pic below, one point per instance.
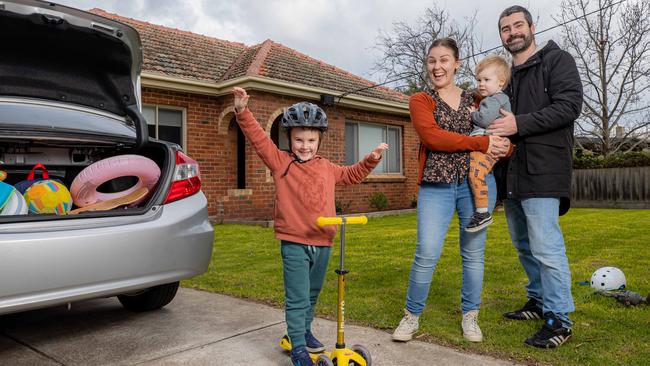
[(272, 86)]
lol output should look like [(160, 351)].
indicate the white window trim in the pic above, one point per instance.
[(183, 120), (386, 127)]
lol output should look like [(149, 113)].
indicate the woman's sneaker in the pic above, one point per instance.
[(407, 327), (471, 330), (478, 222), (300, 357), (530, 311), (552, 335), (313, 344)]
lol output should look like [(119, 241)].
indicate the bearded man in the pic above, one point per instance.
[(546, 97)]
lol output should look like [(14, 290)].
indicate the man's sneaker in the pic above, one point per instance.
[(300, 357), (471, 330), (530, 311), (478, 222), (313, 344), (553, 334), (407, 327)]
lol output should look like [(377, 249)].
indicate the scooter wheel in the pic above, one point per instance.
[(363, 351), (323, 360)]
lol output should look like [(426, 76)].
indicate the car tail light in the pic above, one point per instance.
[(187, 179)]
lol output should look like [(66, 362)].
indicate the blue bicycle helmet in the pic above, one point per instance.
[(304, 114)]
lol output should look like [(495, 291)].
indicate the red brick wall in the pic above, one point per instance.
[(214, 147)]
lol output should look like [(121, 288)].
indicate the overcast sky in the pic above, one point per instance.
[(339, 32)]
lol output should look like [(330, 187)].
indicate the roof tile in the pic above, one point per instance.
[(186, 55)]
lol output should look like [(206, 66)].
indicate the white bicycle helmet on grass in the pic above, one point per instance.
[(608, 279)]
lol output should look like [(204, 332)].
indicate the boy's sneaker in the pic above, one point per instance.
[(479, 221), (471, 330), (300, 357), (530, 311), (553, 334), (313, 344), (407, 327)]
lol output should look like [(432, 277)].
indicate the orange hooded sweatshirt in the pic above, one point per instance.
[(303, 191)]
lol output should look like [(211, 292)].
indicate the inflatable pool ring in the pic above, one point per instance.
[(14, 205), (84, 186)]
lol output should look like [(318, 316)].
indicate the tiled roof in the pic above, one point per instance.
[(284, 63), (187, 55), (181, 54)]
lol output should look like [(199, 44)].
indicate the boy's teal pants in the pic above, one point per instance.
[(304, 268)]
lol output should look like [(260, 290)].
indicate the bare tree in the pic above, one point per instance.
[(612, 51), (405, 49)]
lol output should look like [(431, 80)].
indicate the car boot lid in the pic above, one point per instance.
[(57, 53)]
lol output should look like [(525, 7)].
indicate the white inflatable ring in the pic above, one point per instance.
[(15, 206), (84, 186)]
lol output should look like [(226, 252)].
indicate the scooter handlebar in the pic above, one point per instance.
[(352, 220)]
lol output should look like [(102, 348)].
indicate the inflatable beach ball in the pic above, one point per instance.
[(48, 196)]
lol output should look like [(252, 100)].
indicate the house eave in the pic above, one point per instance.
[(274, 86)]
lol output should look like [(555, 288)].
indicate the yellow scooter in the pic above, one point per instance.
[(358, 355)]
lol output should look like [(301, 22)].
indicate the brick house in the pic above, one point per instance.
[(186, 83)]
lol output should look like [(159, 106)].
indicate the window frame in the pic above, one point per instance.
[(183, 111), (391, 150)]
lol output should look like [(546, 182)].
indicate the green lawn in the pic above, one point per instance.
[(246, 263)]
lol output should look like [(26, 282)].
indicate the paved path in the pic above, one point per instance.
[(197, 328)]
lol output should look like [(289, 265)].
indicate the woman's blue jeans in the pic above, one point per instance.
[(437, 203)]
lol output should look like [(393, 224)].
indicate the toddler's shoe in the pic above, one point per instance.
[(478, 222)]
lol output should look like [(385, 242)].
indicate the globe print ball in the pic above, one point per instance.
[(48, 197)]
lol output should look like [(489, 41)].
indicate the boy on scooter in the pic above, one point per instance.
[(304, 190)]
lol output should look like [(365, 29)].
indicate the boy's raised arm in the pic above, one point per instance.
[(262, 143), (241, 99), (354, 174)]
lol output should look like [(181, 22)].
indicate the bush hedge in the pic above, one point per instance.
[(379, 201), (631, 159)]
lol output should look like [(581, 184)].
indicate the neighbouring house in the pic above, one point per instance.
[(186, 94), (593, 145)]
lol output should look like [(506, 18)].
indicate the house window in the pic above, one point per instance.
[(165, 123), (362, 138)]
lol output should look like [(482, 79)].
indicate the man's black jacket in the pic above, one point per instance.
[(546, 97)]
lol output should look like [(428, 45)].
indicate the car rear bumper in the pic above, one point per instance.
[(44, 264)]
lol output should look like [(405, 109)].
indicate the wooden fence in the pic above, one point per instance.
[(612, 187)]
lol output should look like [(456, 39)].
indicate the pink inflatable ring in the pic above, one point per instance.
[(84, 187)]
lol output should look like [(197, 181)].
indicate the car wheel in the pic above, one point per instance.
[(150, 299)]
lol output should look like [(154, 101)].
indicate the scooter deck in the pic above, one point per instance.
[(343, 356), (285, 343)]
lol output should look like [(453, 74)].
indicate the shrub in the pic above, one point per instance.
[(379, 201), (631, 159), (341, 207), (588, 162)]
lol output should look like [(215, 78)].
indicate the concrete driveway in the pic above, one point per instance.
[(197, 328)]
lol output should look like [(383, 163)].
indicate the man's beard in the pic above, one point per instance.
[(519, 47)]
